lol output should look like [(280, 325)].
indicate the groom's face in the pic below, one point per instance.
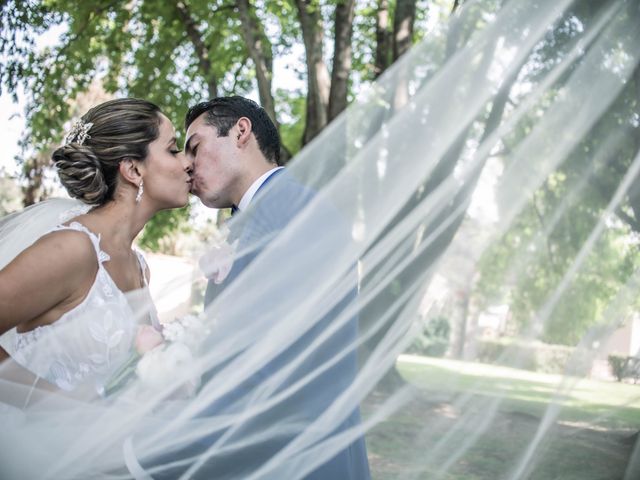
[(215, 167)]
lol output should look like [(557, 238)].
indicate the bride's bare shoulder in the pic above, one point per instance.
[(56, 269), (73, 246), (60, 246)]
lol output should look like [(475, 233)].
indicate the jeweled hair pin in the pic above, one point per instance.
[(79, 133)]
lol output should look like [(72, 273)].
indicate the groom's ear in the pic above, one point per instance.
[(129, 170), (243, 131)]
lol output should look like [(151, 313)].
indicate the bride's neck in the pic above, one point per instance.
[(117, 222)]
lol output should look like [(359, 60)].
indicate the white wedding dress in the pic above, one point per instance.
[(87, 343)]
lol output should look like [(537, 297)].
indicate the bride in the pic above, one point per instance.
[(121, 160)]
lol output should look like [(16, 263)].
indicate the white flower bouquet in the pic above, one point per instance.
[(159, 356)]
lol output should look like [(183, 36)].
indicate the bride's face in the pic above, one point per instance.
[(167, 179)]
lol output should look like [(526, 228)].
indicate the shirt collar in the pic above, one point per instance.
[(249, 194)]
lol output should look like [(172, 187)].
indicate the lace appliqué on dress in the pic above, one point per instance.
[(87, 342), (103, 332), (64, 217)]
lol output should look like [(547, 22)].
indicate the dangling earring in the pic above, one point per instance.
[(140, 192)]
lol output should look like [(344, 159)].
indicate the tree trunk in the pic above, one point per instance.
[(463, 322), (260, 52), (383, 38), (341, 67), (452, 215), (634, 192), (202, 52), (262, 56), (403, 27), (33, 191), (318, 80), (456, 6)]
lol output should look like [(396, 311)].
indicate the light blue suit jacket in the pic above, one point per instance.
[(271, 210)]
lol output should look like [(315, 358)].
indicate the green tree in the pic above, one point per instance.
[(177, 53), (548, 235)]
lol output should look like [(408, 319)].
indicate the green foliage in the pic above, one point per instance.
[(534, 260), (139, 49), (161, 233), (146, 49), (509, 353), (534, 356), (291, 113), (364, 35), (624, 367), (149, 49), (433, 341), (525, 268)]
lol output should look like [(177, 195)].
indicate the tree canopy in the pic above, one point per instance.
[(178, 53)]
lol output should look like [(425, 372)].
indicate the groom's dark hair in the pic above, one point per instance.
[(224, 112)]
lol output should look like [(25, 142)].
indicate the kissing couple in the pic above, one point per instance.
[(70, 294)]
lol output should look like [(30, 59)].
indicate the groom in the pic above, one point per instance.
[(235, 149)]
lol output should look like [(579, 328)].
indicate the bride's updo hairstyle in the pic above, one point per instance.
[(115, 130)]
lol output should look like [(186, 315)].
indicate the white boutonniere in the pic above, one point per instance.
[(218, 261)]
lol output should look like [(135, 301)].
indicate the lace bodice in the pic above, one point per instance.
[(88, 342)]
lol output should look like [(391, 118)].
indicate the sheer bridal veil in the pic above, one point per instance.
[(475, 156)]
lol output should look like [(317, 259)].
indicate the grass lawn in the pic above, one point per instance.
[(476, 421)]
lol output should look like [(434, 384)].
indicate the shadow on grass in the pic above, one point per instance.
[(464, 426)]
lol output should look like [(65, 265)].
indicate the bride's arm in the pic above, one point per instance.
[(46, 280)]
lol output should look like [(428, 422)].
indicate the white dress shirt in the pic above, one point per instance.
[(249, 194)]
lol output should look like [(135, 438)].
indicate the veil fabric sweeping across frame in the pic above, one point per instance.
[(396, 206)]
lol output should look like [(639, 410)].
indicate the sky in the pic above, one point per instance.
[(11, 125), (12, 120)]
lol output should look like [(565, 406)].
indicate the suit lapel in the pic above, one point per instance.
[(237, 227)]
